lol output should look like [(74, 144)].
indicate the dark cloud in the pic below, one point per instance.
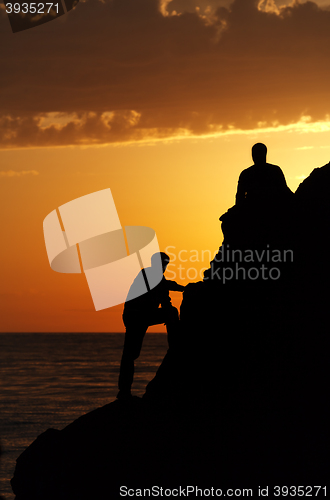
[(181, 6), (121, 70), (203, 6)]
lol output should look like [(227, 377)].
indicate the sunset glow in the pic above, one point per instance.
[(160, 102)]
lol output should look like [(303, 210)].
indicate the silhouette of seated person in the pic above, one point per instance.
[(262, 183), (262, 200), (144, 310)]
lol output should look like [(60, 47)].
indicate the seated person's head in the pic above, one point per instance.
[(259, 153), (164, 259)]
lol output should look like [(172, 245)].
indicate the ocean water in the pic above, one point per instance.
[(48, 380)]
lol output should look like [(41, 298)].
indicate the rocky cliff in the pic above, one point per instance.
[(241, 398)]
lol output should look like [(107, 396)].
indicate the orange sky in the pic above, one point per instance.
[(161, 108)]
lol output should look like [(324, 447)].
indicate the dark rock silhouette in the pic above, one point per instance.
[(242, 399)]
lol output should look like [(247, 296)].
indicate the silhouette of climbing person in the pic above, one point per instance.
[(143, 311), (263, 183)]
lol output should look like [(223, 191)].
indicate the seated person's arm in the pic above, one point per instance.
[(282, 181), (240, 194)]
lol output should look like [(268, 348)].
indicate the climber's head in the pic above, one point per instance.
[(164, 259), (259, 153)]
